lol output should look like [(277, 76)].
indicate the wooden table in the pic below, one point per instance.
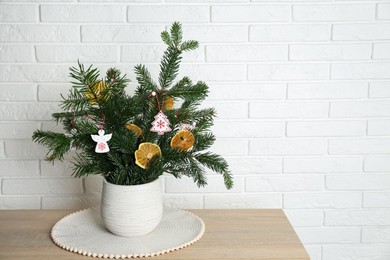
[(230, 234)]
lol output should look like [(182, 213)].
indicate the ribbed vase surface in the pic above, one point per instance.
[(133, 210)]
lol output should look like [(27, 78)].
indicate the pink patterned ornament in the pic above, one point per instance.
[(161, 124), (187, 127), (101, 139)]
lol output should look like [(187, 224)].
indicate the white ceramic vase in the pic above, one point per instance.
[(130, 211)]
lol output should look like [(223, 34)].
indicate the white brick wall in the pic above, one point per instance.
[(302, 89)]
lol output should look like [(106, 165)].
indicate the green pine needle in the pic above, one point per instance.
[(166, 38), (189, 45), (176, 33)]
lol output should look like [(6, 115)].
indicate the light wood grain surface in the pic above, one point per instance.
[(230, 234)]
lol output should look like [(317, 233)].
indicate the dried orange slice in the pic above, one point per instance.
[(134, 128), (168, 103), (94, 93), (183, 139), (145, 152)]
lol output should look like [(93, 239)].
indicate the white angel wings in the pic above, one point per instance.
[(101, 139)]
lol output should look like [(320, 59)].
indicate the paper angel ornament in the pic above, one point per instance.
[(101, 139)]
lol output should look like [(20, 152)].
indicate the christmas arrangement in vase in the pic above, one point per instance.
[(133, 139)]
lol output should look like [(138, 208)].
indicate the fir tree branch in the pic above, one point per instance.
[(203, 141), (187, 166), (197, 173), (84, 77), (85, 165), (176, 34), (144, 78), (116, 81), (118, 161), (166, 38), (124, 141), (169, 67), (204, 117), (76, 100), (185, 90), (189, 45), (217, 164), (58, 144)]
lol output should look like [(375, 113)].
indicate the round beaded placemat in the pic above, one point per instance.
[(83, 232)]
